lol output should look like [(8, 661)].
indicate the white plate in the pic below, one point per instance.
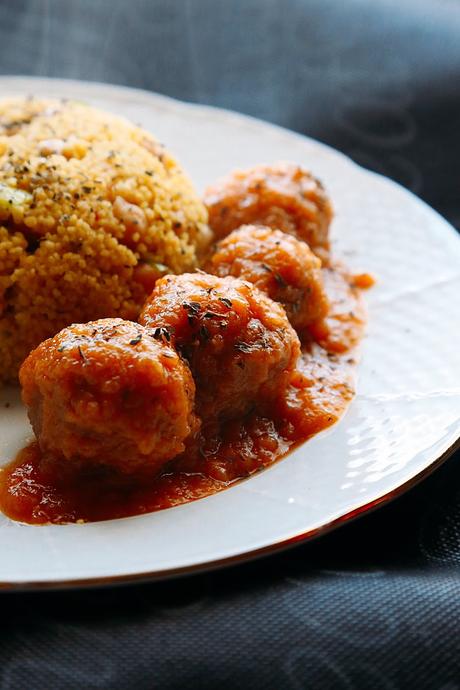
[(403, 421)]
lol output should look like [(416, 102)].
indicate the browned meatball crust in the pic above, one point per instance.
[(239, 343), (279, 265), (107, 392), (283, 196)]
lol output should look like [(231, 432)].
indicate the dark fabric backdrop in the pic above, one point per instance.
[(376, 604)]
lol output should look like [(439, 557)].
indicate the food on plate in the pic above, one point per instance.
[(92, 211), (108, 393), (279, 265), (283, 196), (213, 383), (239, 344), (341, 328)]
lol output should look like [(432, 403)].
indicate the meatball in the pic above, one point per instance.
[(239, 343), (279, 265), (283, 196), (108, 393)]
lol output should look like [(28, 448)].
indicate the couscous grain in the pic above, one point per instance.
[(92, 211)]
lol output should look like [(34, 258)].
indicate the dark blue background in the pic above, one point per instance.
[(375, 605)]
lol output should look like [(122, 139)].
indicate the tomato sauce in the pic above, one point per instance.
[(35, 492)]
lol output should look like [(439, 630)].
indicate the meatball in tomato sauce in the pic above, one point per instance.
[(283, 196), (239, 343), (108, 393), (279, 265)]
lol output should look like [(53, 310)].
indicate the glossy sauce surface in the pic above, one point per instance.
[(34, 491)]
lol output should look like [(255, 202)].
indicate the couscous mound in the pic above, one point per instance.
[(92, 211)]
